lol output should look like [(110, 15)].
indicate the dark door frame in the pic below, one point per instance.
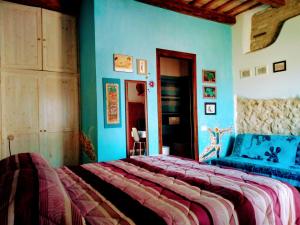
[(126, 116), (192, 58)]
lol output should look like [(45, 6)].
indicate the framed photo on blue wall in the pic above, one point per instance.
[(210, 108), (111, 102)]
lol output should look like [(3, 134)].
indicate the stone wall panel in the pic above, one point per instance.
[(269, 116)]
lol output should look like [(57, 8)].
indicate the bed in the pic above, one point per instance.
[(141, 190)]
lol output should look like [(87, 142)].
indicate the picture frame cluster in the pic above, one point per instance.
[(112, 88), (262, 70), (209, 91), (124, 63)]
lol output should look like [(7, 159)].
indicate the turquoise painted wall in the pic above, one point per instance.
[(137, 29), (88, 95)]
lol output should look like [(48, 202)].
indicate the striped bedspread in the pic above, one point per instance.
[(31, 193), (168, 190)]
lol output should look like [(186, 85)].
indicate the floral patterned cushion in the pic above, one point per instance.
[(282, 149)]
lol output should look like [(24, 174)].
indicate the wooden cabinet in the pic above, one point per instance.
[(59, 42), (39, 83), (40, 109), (61, 120), (37, 39), (20, 36), (20, 110)]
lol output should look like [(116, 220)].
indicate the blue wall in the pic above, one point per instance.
[(133, 28), (88, 95)]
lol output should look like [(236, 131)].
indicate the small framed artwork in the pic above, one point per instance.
[(209, 76), (123, 63), (279, 66), (112, 102), (210, 108), (142, 67), (245, 73), (261, 70), (209, 92)]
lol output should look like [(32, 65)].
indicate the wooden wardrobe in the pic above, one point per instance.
[(39, 83)]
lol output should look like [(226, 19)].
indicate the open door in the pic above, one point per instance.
[(177, 103), (136, 117)]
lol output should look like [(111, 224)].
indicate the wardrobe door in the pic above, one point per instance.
[(59, 42), (20, 112), (60, 100), (20, 36)]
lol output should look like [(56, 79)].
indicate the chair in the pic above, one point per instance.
[(137, 140)]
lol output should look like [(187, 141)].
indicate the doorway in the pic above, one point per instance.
[(136, 117), (177, 103)]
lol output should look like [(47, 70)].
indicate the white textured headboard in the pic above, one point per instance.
[(268, 116)]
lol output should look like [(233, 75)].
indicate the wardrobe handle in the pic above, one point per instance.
[(45, 130), (39, 39), (41, 130)]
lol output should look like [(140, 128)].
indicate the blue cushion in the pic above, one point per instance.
[(280, 149), (297, 161)]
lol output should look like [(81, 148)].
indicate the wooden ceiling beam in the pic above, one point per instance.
[(252, 7), (224, 6), (209, 4), (179, 6), (194, 2), (216, 4), (199, 3), (242, 7), (274, 3)]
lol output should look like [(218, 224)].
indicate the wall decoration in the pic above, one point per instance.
[(267, 23), (261, 70), (87, 146), (112, 102), (142, 66), (279, 116), (209, 92), (215, 146), (245, 73), (210, 108), (279, 66), (209, 76), (123, 63)]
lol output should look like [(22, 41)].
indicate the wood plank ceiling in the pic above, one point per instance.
[(223, 11)]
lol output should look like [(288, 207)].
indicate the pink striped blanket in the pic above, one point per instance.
[(169, 190), (143, 191)]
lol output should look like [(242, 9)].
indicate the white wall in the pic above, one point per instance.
[(287, 47)]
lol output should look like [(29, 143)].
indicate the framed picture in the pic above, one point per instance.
[(142, 67), (112, 102), (210, 108), (245, 73), (261, 70), (209, 92), (123, 63), (209, 76), (279, 66)]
